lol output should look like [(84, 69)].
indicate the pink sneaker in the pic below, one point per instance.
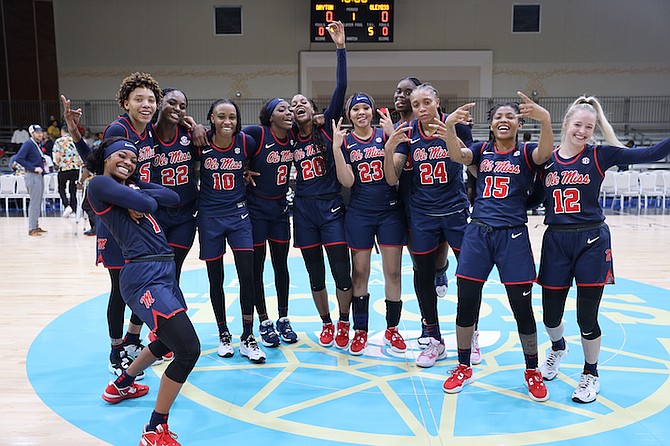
[(433, 352)]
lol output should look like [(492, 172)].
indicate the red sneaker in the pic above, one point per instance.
[(326, 336), (537, 391), (342, 338), (160, 437), (460, 377), (169, 356), (393, 338), (358, 344), (115, 395)]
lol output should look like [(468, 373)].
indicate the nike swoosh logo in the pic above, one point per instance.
[(267, 146), (414, 141), (333, 210), (488, 152), (244, 216), (351, 145), (591, 240), (547, 166), (206, 151), (526, 293), (516, 235)]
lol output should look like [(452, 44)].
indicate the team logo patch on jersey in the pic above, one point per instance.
[(586, 160), (378, 139), (237, 151), (517, 153), (184, 141), (147, 299)]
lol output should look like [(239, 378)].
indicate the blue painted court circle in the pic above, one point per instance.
[(309, 395)]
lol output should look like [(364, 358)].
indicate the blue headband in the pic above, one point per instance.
[(358, 99), (272, 105), (119, 145)]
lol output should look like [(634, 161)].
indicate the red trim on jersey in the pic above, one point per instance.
[(471, 278), (156, 314), (132, 127), (334, 243), (573, 160), (174, 245), (554, 287), (520, 283), (595, 159), (174, 140), (279, 241), (278, 140), (308, 246)]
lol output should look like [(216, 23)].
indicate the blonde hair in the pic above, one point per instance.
[(591, 104)]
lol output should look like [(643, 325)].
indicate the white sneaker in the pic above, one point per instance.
[(441, 284), (226, 349), (433, 352), (67, 211), (249, 348), (587, 390), (552, 364), (475, 352)]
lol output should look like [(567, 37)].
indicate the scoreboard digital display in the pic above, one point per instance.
[(364, 20)]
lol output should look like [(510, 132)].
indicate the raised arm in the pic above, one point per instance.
[(393, 161), (530, 109), (345, 175), (458, 152), (336, 30)]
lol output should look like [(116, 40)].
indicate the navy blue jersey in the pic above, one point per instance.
[(222, 186), (572, 185), (366, 157), (316, 173), (272, 158), (315, 170), (504, 181), (437, 182), (111, 200), (145, 143), (172, 166)]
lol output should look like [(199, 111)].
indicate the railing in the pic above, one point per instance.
[(624, 112)]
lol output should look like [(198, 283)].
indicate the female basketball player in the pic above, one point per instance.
[(403, 107), (374, 211), (438, 206), (497, 234), (577, 241), (266, 200), (138, 94), (223, 216), (318, 209), (173, 167), (147, 280)]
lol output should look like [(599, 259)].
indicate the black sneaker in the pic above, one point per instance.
[(117, 365)]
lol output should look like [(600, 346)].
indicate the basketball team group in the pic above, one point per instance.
[(159, 175)]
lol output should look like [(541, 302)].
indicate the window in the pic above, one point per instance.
[(228, 20), (526, 19)]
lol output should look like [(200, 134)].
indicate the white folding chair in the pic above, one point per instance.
[(648, 187), (666, 185), (7, 190), (22, 191), (627, 186), (607, 188), (50, 190)]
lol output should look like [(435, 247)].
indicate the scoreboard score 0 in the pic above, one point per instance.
[(364, 20)]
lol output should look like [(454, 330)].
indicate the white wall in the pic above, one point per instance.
[(603, 47)]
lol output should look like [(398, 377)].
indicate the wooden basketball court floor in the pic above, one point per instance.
[(54, 346)]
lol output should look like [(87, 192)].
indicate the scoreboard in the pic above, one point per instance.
[(364, 20)]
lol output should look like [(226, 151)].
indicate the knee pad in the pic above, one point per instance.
[(589, 329), (184, 361)]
